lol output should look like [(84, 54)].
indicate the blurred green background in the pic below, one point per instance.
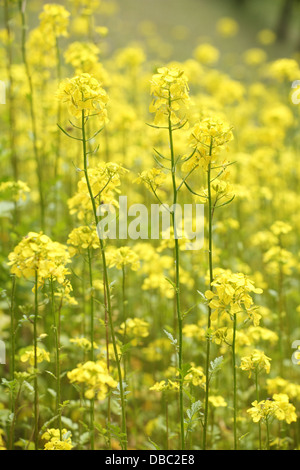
[(183, 24)]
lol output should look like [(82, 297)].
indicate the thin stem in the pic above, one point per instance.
[(12, 353), (107, 286), (22, 8), (92, 358), (234, 382), (58, 140), (268, 434), (124, 318), (107, 362), (257, 399), (10, 95), (177, 280), (36, 309), (57, 357), (208, 342)]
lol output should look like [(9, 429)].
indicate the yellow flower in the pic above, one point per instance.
[(170, 91), (217, 401), (206, 54), (207, 138), (81, 239), (152, 178), (82, 56), (165, 385), (105, 182), (96, 378), (266, 37), (284, 70), (54, 20), (83, 343), (84, 93), (52, 436), (135, 327), (227, 27), (37, 253), (121, 257), (279, 407), (232, 295), (15, 190), (28, 356), (256, 361), (255, 56)]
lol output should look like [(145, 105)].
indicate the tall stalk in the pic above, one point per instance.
[(57, 357), (177, 276), (22, 8), (257, 399), (36, 412), (92, 358), (12, 356), (234, 382), (210, 263), (10, 95), (106, 281)]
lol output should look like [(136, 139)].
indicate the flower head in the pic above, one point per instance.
[(54, 20), (170, 91), (84, 94)]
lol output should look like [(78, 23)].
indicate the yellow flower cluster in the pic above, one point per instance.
[(121, 257), (217, 401), (152, 178), (257, 361), (38, 254), (28, 356), (54, 20), (83, 343), (82, 56), (279, 407), (81, 239), (96, 378), (105, 182), (88, 6), (232, 295), (165, 385), (84, 94), (135, 328), (284, 70), (206, 54), (207, 138), (170, 90), (227, 27), (54, 442), (280, 385), (14, 190)]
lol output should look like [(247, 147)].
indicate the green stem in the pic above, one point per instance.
[(268, 434), (10, 95), (36, 309), (58, 140), (208, 343), (234, 382), (92, 358), (177, 281), (107, 363), (124, 318), (12, 353), (57, 358), (257, 399), (22, 8), (107, 286)]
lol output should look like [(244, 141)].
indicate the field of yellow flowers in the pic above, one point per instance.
[(143, 342)]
